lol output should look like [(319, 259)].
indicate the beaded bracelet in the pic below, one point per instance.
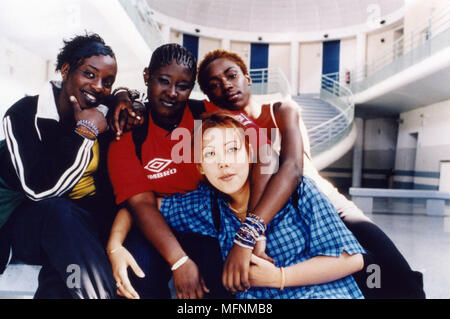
[(251, 229), (89, 125), (82, 133), (79, 126)]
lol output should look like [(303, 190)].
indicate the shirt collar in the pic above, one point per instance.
[(46, 108)]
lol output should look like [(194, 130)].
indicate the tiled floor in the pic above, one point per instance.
[(424, 242)]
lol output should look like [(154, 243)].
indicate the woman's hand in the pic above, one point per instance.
[(127, 114), (188, 282), (260, 250), (91, 114), (120, 260), (264, 273), (235, 269)]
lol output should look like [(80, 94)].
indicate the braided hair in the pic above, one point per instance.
[(82, 47), (167, 53)]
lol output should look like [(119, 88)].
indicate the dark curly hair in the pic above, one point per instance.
[(167, 53), (82, 47), (212, 56)]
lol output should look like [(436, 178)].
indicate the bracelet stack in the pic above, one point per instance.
[(251, 229), (87, 128), (85, 133)]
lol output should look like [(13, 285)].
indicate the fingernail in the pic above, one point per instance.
[(133, 114), (138, 117), (72, 98)]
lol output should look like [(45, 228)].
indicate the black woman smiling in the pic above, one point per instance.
[(53, 159)]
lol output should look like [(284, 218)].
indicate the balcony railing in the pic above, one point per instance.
[(269, 81), (329, 133), (424, 41)]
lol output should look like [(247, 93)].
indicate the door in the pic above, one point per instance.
[(330, 57), (190, 42), (259, 59)]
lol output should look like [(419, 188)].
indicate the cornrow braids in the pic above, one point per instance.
[(167, 53), (82, 47)]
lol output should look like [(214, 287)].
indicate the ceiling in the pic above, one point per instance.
[(275, 15), (40, 26)]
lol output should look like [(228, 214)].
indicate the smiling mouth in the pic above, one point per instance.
[(90, 98)]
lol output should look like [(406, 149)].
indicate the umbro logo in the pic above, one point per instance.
[(156, 165)]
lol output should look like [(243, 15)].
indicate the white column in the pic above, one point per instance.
[(358, 150), (165, 32), (225, 44), (361, 48), (294, 61)]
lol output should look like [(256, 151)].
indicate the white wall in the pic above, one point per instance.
[(176, 37), (310, 67), (243, 49), (432, 125), (380, 139), (380, 53), (279, 57), (206, 45), (21, 72), (417, 14), (347, 55)]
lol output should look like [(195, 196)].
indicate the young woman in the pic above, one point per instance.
[(53, 159), (224, 78), (314, 253)]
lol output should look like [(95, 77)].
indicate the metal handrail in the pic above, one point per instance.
[(269, 81), (423, 41), (266, 81), (341, 97)]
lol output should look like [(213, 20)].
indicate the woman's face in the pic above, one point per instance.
[(169, 88), (90, 82), (225, 160), (227, 86)]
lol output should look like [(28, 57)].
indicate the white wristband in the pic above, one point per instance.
[(179, 263)]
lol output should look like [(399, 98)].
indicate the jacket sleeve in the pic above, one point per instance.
[(48, 161)]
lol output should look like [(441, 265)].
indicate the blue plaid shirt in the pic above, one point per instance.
[(293, 235)]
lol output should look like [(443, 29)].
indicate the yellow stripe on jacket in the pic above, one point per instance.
[(86, 185)]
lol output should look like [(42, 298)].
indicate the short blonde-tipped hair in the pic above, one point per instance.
[(212, 56)]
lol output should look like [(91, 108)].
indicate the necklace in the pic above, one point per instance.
[(240, 215)]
